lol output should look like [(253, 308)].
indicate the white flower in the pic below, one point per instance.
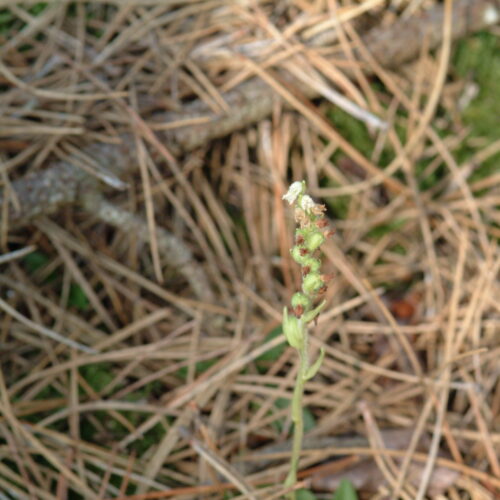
[(307, 203), (293, 192)]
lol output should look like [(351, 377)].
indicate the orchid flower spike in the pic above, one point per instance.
[(294, 191)]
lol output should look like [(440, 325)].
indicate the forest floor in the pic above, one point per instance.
[(144, 247)]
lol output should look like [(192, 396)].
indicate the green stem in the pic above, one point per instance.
[(297, 418)]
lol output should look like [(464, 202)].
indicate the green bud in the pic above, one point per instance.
[(293, 330), (299, 299), (313, 264), (314, 241), (297, 256), (312, 283)]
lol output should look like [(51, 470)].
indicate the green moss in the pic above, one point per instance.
[(145, 392), (95, 32), (383, 229), (477, 58), (353, 130), (97, 375), (149, 439), (200, 367), (430, 180), (338, 206), (399, 249), (48, 392)]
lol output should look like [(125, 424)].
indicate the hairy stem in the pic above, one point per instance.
[(297, 418)]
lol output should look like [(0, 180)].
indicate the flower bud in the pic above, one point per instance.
[(313, 264), (314, 241), (312, 283), (293, 330), (298, 255), (299, 299)]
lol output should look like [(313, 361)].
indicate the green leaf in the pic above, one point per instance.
[(35, 260), (281, 403), (345, 491), (313, 369), (308, 419), (276, 352), (35, 263), (309, 316), (77, 297), (304, 495)]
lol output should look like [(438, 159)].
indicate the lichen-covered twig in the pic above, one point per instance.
[(46, 191), (173, 251)]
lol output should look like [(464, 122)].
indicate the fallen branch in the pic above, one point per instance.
[(173, 251)]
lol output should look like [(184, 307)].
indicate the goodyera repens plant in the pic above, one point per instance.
[(310, 234)]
